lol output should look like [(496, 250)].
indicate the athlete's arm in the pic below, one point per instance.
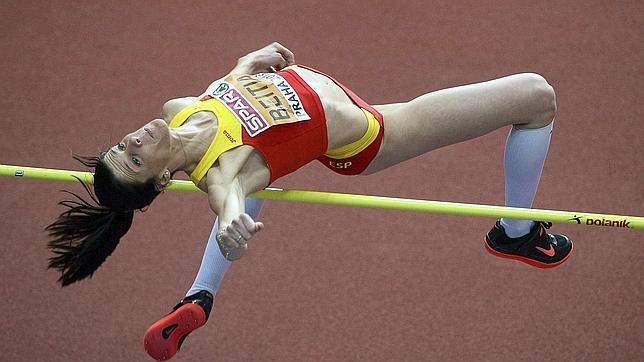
[(272, 57), (227, 197), (267, 59)]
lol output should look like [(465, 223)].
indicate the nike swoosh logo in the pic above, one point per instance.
[(550, 252), (168, 330)]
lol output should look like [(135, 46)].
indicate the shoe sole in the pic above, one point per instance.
[(525, 260), (187, 318)]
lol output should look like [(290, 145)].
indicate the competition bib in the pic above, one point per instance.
[(259, 101)]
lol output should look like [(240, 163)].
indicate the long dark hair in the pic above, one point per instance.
[(89, 230)]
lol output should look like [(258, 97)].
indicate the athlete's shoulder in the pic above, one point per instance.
[(174, 106)]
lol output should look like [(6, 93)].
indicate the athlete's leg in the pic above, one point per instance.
[(213, 264), (525, 154), (458, 114), (453, 115), (164, 337)]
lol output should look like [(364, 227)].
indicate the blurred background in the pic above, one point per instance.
[(322, 282)]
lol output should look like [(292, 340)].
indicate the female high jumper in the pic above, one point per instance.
[(267, 118)]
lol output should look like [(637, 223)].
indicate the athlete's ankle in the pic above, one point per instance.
[(515, 229)]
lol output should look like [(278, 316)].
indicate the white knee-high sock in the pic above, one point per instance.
[(213, 264), (525, 154)]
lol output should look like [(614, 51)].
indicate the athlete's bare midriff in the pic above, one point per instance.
[(344, 120)]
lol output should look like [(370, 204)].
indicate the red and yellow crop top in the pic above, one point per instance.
[(276, 113)]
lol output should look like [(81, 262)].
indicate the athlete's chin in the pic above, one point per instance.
[(158, 130), (158, 124)]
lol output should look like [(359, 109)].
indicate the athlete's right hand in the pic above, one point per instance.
[(233, 239), (272, 57)]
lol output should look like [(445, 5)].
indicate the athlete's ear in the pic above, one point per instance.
[(162, 181)]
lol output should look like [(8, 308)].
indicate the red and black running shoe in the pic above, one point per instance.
[(164, 338), (537, 248)]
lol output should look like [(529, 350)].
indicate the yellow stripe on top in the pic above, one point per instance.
[(352, 149), (228, 136)]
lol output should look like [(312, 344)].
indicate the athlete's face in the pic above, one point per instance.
[(141, 155)]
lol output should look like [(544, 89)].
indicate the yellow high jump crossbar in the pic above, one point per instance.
[(330, 198)]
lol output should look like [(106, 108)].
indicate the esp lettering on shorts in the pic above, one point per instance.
[(342, 165)]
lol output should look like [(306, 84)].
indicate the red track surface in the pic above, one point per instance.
[(330, 283)]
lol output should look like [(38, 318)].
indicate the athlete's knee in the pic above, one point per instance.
[(542, 100)]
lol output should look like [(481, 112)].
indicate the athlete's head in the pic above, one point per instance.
[(142, 156), (127, 177)]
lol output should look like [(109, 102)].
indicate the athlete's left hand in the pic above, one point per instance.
[(272, 57)]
